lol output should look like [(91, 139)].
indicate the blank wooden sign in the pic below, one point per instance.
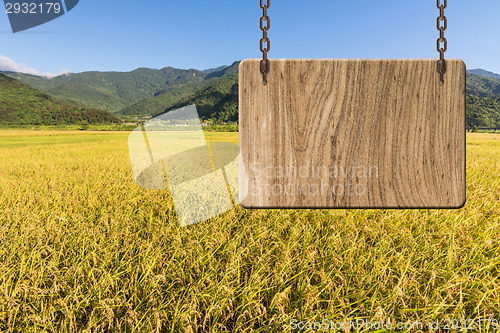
[(352, 134)]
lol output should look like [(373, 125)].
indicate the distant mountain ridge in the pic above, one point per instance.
[(166, 99), (211, 70), (21, 104), (113, 91), (485, 73)]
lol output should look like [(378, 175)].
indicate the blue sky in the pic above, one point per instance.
[(112, 35)]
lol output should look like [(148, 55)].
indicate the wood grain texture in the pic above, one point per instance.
[(352, 133)]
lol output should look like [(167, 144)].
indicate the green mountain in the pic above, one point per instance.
[(211, 70), (483, 86), (114, 91), (22, 105), (157, 103), (482, 72), (217, 102), (483, 101), (166, 99)]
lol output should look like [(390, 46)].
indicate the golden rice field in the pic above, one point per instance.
[(83, 249)]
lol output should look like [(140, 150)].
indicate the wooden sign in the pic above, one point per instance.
[(352, 134)]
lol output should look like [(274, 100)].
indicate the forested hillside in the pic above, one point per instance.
[(113, 91), (171, 96), (217, 102), (22, 105), (483, 101)]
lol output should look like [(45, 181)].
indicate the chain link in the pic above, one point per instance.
[(265, 43), (442, 43)]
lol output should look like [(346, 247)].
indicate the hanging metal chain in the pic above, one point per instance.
[(265, 43), (441, 65)]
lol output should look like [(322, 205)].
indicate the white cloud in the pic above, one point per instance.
[(9, 65)]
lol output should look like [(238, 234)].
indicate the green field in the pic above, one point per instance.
[(82, 248)]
